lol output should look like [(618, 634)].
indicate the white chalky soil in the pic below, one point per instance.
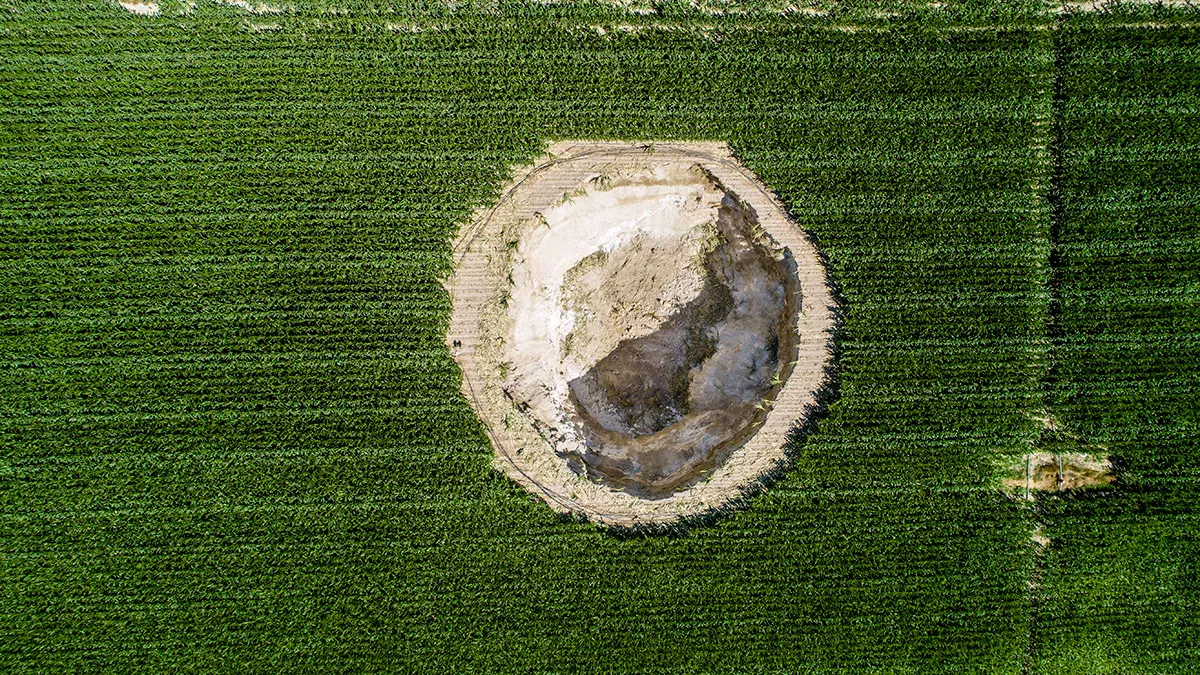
[(631, 325)]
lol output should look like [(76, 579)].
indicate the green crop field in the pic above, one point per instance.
[(232, 438)]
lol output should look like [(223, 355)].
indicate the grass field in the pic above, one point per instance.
[(1121, 591), (232, 437)]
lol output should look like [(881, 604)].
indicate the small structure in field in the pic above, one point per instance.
[(1045, 472)]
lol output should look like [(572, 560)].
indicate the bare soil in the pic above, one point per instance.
[(640, 327), (142, 8)]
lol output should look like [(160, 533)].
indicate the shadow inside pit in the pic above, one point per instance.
[(660, 412)]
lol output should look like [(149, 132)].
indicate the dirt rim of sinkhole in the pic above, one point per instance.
[(640, 327)]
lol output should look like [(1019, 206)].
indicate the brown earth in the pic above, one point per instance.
[(639, 330)]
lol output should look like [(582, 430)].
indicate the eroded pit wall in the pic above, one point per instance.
[(528, 344)]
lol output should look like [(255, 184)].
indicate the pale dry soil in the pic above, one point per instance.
[(650, 324), (640, 327), (142, 8)]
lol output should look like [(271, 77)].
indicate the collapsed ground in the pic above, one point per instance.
[(639, 331), (678, 330)]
